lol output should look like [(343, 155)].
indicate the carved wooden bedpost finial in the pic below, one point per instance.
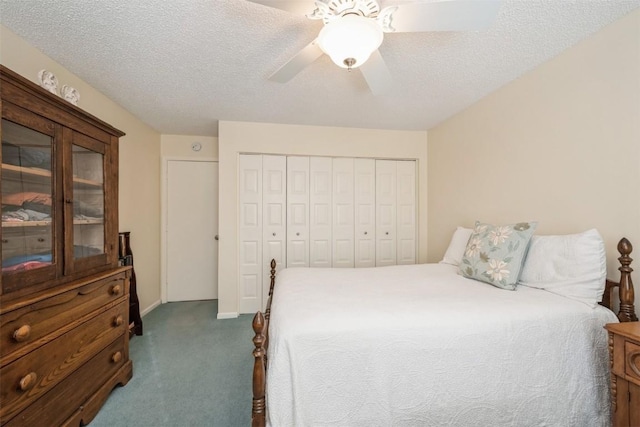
[(273, 276), (627, 297), (258, 410)]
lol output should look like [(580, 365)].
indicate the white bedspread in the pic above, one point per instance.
[(420, 345)]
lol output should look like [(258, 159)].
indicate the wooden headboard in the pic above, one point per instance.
[(627, 312)]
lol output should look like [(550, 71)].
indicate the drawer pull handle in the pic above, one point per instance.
[(22, 333), (28, 381), (117, 321), (5, 241), (40, 239), (117, 356), (115, 289)]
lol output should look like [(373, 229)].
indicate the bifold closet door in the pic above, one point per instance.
[(343, 213), (250, 233), (297, 211), (320, 211), (385, 212), (365, 212), (406, 212), (274, 223)]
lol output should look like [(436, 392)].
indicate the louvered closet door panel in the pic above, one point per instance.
[(250, 233), (385, 212), (297, 212), (274, 223), (406, 211), (320, 212), (343, 213), (365, 212)]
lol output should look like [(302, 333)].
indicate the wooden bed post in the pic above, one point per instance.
[(267, 313), (258, 410), (627, 310)]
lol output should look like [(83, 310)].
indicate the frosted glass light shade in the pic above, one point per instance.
[(350, 36)]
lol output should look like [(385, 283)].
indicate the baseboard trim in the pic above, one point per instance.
[(150, 308), (232, 315)]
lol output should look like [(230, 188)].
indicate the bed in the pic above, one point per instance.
[(421, 345)]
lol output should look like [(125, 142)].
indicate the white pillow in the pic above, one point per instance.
[(573, 265), (456, 248)]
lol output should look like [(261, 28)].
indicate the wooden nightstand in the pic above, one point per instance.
[(624, 354)]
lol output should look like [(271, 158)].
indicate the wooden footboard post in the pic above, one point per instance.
[(258, 409), (627, 311), (267, 313)]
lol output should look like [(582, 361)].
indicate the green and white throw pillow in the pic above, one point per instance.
[(495, 254)]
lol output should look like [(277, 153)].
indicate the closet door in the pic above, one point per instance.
[(365, 212), (250, 256), (406, 211), (385, 212), (320, 212), (343, 213), (297, 212), (274, 209)]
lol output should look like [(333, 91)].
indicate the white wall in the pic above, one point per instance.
[(139, 191), (560, 145), (240, 137)]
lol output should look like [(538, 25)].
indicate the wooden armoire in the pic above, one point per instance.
[(64, 299)]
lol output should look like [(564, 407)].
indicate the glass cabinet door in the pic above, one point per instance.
[(28, 203), (87, 202)]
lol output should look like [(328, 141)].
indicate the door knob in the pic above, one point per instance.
[(365, 233), (217, 237), (274, 234), (297, 234), (387, 233)]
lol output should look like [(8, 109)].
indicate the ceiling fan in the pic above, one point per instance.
[(354, 29)]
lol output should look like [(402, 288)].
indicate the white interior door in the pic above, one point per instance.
[(320, 212), (274, 225), (406, 212), (192, 227), (385, 212), (365, 212), (297, 211), (343, 228), (250, 233)]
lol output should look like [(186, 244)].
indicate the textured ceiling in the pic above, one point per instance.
[(182, 65)]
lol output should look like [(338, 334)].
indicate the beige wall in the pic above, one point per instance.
[(561, 146), (236, 137), (139, 160)]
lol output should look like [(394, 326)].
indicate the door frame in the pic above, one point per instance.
[(164, 196)]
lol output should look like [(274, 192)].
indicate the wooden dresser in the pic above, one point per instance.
[(64, 298), (624, 348)]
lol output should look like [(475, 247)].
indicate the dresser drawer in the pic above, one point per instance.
[(632, 361), (23, 329), (28, 378), (63, 400)]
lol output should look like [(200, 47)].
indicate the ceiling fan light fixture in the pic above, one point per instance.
[(349, 40)]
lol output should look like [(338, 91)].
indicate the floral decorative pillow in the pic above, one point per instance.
[(495, 253)]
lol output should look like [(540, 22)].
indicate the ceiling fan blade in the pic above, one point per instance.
[(306, 56), (377, 74), (301, 7), (447, 15)]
